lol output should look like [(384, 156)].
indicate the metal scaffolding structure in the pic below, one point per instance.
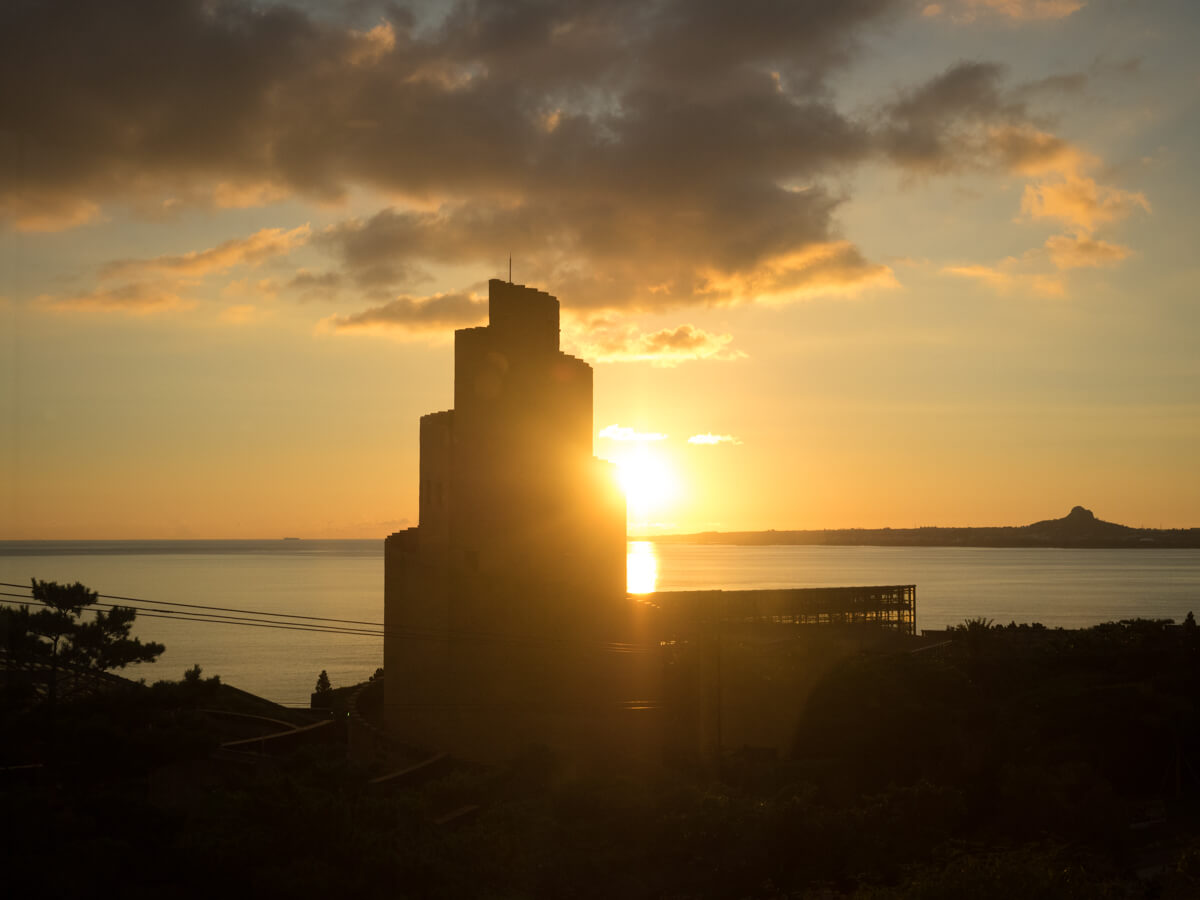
[(892, 607)]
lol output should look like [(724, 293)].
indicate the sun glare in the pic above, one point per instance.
[(647, 480), (641, 568)]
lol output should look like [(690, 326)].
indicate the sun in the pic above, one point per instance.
[(647, 480)]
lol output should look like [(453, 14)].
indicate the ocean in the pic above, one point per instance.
[(344, 580)]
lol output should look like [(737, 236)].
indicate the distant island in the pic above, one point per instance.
[(1079, 528)]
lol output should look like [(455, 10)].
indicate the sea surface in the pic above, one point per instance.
[(344, 580)]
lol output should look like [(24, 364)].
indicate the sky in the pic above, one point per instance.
[(865, 264)]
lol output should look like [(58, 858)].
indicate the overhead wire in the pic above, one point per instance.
[(22, 600), (194, 612), (221, 608)]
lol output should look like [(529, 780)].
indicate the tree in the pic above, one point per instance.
[(100, 644), (323, 685)]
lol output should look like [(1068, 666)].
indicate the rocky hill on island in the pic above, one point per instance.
[(1079, 528)]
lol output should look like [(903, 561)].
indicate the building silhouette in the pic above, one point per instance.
[(507, 619)]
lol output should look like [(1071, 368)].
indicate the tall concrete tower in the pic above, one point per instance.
[(507, 618)]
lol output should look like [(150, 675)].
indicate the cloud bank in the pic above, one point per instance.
[(635, 156)]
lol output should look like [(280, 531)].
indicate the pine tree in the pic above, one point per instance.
[(100, 644)]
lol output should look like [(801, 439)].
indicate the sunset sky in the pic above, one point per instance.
[(858, 264)]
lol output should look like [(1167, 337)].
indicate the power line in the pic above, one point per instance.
[(622, 645), (213, 620), (220, 617), (220, 608)]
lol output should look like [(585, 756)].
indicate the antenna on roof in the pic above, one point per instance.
[(510, 268)]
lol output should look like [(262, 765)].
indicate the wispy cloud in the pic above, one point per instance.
[(968, 119), (137, 298), (252, 250), (709, 438), (1080, 201), (1007, 277), (624, 433), (1071, 252), (51, 212), (1017, 10), (610, 341), (407, 315), (244, 314)]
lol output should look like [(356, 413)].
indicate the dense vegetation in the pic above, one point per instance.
[(1014, 761)]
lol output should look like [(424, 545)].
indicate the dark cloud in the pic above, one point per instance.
[(135, 95), (942, 125), (315, 285), (969, 117), (579, 132), (1069, 83), (629, 153)]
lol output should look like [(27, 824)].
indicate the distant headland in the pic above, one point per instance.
[(1079, 528)]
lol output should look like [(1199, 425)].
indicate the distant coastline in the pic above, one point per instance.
[(1078, 529)]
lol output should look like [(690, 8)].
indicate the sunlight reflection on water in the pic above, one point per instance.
[(641, 568), (344, 579)]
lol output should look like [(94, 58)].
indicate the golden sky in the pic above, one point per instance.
[(839, 265)]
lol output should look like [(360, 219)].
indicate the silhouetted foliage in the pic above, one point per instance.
[(1009, 762), (58, 634), (323, 685), (102, 643)]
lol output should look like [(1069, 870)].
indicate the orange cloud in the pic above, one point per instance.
[(241, 195), (50, 212), (251, 250), (1029, 151), (244, 288), (1071, 252), (709, 438), (608, 342), (1006, 280), (138, 298), (405, 316), (243, 314), (1080, 201), (369, 47), (1017, 10), (833, 267)]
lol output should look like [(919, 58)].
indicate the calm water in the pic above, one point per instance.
[(344, 579)]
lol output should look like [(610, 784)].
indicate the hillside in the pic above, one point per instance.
[(1079, 528)]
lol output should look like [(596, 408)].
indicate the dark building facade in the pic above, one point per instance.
[(507, 619)]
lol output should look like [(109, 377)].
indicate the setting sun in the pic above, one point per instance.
[(647, 479)]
